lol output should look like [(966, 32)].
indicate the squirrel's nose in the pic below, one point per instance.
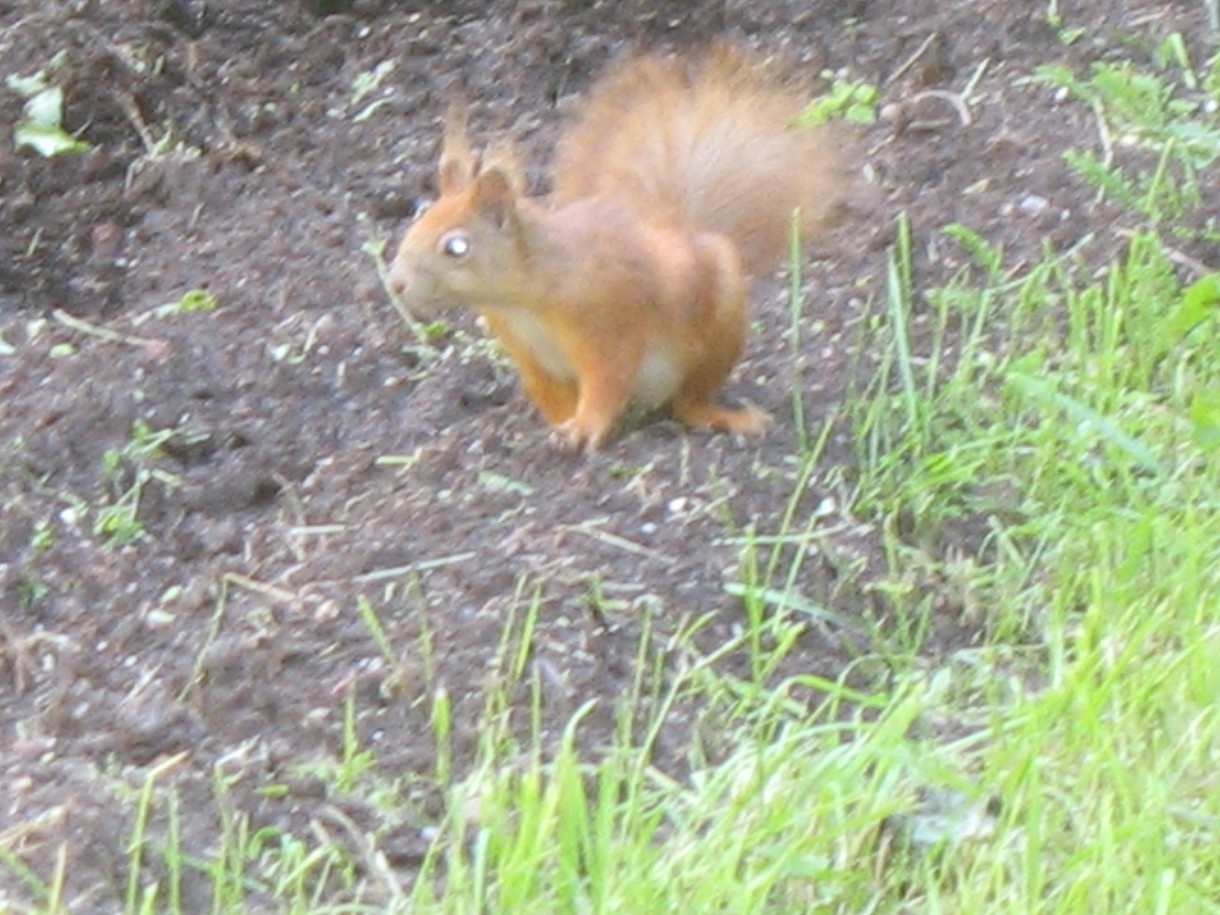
[(397, 279)]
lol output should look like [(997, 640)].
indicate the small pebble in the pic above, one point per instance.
[(1032, 204)]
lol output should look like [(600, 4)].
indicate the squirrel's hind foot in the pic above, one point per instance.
[(735, 420)]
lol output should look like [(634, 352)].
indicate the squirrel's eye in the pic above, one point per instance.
[(456, 245)]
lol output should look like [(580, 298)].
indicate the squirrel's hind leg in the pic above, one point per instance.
[(695, 403), (722, 328), (736, 420)]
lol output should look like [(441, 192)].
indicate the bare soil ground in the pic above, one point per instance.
[(310, 459)]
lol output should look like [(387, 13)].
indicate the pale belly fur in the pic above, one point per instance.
[(656, 381)]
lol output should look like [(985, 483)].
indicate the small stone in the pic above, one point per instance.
[(1032, 204)]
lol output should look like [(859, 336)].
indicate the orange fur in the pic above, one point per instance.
[(676, 182)]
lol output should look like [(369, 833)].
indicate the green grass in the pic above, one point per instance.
[(1067, 420), (1166, 112)]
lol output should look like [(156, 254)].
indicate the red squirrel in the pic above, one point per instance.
[(676, 181)]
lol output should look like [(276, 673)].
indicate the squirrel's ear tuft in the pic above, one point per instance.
[(503, 156), (457, 165), (496, 195)]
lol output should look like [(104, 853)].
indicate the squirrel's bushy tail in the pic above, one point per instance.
[(707, 143)]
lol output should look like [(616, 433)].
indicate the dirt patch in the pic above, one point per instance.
[(196, 503)]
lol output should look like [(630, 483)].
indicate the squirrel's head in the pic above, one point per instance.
[(468, 247)]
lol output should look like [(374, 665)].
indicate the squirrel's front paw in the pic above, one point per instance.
[(576, 435)]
